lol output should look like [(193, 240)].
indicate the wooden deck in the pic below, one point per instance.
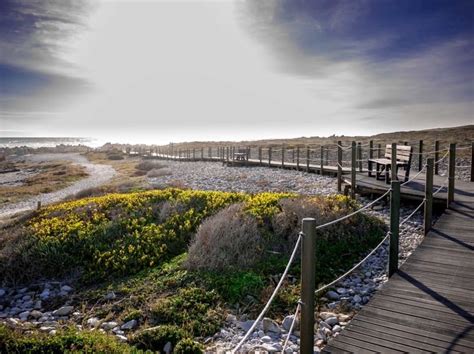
[(414, 190), (428, 305)]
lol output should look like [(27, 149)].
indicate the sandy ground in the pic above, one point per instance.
[(98, 175)]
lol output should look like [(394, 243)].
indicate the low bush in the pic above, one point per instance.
[(194, 310), (188, 346), (69, 340), (229, 239), (148, 165), (115, 156), (155, 338), (159, 172)]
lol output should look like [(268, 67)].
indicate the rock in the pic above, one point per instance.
[(266, 339), (110, 296), (167, 348), (93, 322), (13, 321), (230, 318), (341, 290), (269, 347), (357, 299), (332, 295), (325, 315), (46, 328), (336, 328), (63, 311), (53, 332), (109, 325), (245, 325), (45, 294), (270, 326), (343, 317), (331, 321), (66, 288), (323, 324), (38, 305), (121, 337), (3, 315), (129, 325), (26, 298), (24, 315), (2, 292), (287, 321)]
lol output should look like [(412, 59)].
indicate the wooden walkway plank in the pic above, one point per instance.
[(428, 304)]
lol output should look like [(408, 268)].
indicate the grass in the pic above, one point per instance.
[(47, 177), (136, 245)]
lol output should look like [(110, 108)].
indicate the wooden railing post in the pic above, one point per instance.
[(420, 156), (472, 161), (282, 156), (451, 172), (270, 156), (307, 158), (393, 169), (297, 158), (293, 154), (308, 254), (359, 156), (436, 157), (260, 155), (321, 171), (428, 195), (379, 151), (394, 227), (353, 169), (339, 166)]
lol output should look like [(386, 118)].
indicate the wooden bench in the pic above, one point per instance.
[(383, 165), (240, 156)]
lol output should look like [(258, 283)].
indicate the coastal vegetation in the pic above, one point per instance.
[(176, 261)]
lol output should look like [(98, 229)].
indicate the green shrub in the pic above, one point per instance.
[(69, 340), (193, 309), (188, 346), (156, 338)]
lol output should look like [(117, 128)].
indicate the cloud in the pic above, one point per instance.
[(384, 57), (33, 37)]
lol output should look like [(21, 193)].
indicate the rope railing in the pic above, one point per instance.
[(270, 300), (298, 308), (413, 213), (337, 280), (415, 176), (445, 183), (441, 159)]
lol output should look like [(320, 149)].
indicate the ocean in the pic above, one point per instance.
[(6, 142)]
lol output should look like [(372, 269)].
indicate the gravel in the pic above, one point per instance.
[(97, 175)]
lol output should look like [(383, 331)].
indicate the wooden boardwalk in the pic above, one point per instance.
[(428, 305), (414, 190)]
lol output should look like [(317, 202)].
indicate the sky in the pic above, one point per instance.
[(160, 71)]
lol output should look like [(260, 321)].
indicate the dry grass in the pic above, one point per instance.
[(49, 177), (228, 240)]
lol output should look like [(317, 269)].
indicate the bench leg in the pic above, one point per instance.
[(369, 167), (387, 174)]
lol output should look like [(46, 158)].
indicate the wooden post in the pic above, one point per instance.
[(227, 153), (326, 159), (428, 195), (270, 156), (420, 156), (202, 153), (233, 153), (308, 254), (293, 154), (321, 171), (297, 158), (451, 172), (394, 227), (436, 157), (353, 169), (371, 149), (194, 154), (379, 151), (282, 156), (472, 161), (308, 154), (393, 165), (339, 166), (359, 156), (260, 155)]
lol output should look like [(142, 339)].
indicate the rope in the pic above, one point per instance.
[(298, 308), (413, 213), (441, 159), (414, 177), (267, 306), (441, 187), (429, 152), (354, 267), (355, 212)]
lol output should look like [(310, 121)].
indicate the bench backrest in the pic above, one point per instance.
[(403, 152)]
